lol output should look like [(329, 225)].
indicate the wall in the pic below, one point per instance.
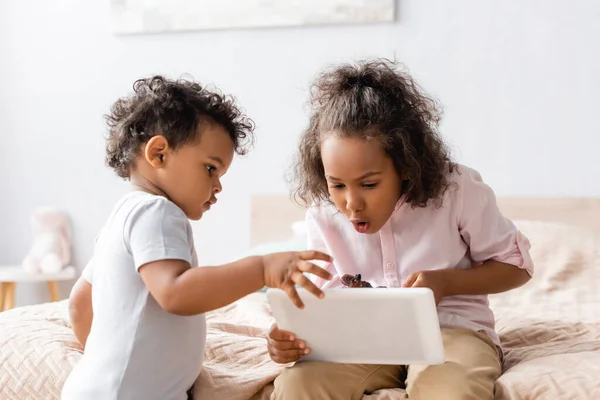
[(518, 81)]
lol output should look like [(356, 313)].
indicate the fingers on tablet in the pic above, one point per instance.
[(301, 279), (285, 351), (412, 278), (284, 345), (287, 356), (278, 334), (290, 290)]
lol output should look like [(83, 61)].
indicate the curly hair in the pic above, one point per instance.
[(172, 108), (374, 99)]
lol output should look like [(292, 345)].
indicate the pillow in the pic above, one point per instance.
[(37, 351)]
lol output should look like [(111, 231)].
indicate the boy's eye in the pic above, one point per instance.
[(211, 169)]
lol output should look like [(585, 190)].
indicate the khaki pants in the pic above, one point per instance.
[(471, 367)]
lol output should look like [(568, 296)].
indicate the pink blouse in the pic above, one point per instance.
[(466, 230)]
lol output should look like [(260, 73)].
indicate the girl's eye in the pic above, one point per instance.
[(336, 186), (369, 185)]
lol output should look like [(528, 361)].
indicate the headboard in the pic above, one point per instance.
[(272, 215)]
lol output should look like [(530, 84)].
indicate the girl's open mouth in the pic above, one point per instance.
[(361, 226)]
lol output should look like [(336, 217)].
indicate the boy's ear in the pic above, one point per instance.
[(155, 151)]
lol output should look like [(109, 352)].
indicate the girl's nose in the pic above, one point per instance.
[(354, 203)]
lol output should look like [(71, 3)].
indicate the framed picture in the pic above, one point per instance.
[(145, 16)]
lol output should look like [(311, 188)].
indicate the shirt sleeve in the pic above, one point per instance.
[(87, 272), (157, 230), (489, 235), (316, 241)]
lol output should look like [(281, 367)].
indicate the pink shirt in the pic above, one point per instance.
[(467, 230)]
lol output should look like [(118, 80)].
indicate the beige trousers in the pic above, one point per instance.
[(471, 367)]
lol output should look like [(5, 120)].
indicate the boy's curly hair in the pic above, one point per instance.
[(374, 99), (172, 108)]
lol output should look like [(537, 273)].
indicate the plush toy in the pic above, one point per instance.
[(50, 251)]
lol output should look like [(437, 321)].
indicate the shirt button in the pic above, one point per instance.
[(389, 265)]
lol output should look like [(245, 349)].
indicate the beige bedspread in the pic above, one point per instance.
[(550, 331)]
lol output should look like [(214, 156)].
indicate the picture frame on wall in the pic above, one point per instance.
[(153, 16)]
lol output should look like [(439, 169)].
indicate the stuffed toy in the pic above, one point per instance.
[(50, 251)]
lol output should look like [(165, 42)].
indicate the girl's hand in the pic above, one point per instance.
[(284, 347), (434, 280), (286, 270)]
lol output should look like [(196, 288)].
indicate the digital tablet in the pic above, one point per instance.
[(396, 326)]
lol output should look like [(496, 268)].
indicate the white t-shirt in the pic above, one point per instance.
[(136, 350)]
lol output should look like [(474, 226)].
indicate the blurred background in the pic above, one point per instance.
[(518, 82)]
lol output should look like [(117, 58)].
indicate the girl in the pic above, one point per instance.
[(390, 204), (139, 307)]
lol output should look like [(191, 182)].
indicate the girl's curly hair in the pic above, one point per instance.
[(172, 108), (374, 99)]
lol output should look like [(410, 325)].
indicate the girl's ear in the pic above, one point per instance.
[(405, 181), (405, 176), (155, 151)]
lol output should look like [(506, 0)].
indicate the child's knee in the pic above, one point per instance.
[(322, 380), (449, 381), (297, 382), (298, 375)]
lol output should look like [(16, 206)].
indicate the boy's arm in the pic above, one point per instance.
[(80, 310), (159, 237), (182, 290)]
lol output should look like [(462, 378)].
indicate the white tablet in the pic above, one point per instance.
[(363, 325)]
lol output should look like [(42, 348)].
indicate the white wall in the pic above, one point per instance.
[(518, 80)]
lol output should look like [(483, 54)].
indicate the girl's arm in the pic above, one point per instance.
[(488, 278), (499, 252), (80, 310)]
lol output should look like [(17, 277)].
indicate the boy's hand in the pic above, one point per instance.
[(434, 280), (285, 270), (284, 347)]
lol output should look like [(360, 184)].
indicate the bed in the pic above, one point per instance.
[(550, 328)]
